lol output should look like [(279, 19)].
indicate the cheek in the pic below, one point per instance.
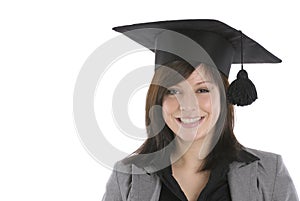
[(210, 104), (205, 103), (170, 105)]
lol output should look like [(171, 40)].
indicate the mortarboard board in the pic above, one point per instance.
[(220, 46)]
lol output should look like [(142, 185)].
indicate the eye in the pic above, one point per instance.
[(203, 90), (172, 91)]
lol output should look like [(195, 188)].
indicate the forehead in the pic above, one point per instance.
[(199, 74)]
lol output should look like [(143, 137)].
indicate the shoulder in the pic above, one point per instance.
[(124, 167), (265, 158), (122, 172), (272, 170), (119, 182), (261, 153), (131, 181), (267, 165), (269, 174)]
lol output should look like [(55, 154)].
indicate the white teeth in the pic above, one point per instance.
[(188, 121)]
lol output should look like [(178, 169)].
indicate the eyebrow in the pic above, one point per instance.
[(202, 82), (198, 83)]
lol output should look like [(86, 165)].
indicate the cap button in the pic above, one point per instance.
[(242, 74)]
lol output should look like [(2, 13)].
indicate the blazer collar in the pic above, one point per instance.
[(242, 180), (144, 186), (242, 177), (245, 156)]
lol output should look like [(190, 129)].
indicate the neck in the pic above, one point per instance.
[(189, 155)]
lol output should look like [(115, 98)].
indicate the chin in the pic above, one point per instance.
[(190, 137)]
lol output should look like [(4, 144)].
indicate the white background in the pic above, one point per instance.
[(43, 45)]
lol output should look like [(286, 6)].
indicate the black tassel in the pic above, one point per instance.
[(242, 91)]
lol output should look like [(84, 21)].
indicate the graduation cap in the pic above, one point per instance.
[(213, 42)]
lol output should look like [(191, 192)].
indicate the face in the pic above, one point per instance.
[(191, 107)]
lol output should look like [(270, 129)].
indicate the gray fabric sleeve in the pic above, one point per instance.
[(112, 192), (284, 189)]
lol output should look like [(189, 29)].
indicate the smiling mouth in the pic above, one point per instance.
[(190, 122)]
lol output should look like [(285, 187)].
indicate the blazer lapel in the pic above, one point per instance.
[(242, 179), (144, 186)]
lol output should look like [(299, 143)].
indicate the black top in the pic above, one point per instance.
[(216, 189)]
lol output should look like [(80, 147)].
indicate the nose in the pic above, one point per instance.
[(188, 102)]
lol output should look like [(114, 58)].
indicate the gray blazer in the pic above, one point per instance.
[(266, 179)]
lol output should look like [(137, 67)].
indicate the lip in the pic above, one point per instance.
[(190, 125)]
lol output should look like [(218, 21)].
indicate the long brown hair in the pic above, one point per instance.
[(160, 135)]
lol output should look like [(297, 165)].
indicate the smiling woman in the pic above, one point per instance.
[(191, 152), (189, 104)]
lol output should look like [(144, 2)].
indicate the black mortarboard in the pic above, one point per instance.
[(220, 46)]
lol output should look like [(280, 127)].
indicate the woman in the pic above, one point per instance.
[(191, 152)]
